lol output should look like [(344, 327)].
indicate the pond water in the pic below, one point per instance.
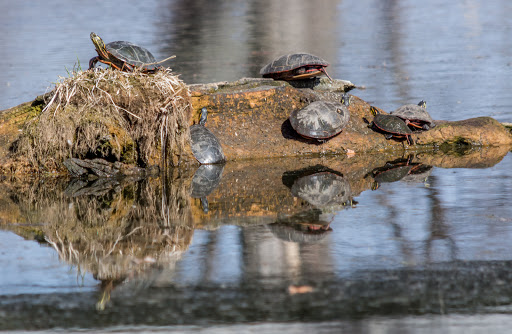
[(404, 240)]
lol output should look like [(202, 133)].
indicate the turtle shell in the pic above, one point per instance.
[(132, 54), (205, 146), (291, 62), (391, 124), (320, 119), (414, 113)]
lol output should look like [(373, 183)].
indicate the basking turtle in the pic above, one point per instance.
[(205, 146), (123, 56), (415, 115), (321, 119), (295, 66), (391, 126)]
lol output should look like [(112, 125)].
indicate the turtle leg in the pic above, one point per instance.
[(110, 64), (409, 140), (127, 67), (413, 125), (322, 69), (388, 136), (93, 61)]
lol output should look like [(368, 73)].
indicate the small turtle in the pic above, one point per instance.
[(295, 66), (321, 119), (391, 126), (123, 56), (415, 115), (205, 146)]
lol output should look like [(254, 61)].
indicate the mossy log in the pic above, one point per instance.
[(250, 118)]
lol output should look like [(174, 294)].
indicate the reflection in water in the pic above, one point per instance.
[(135, 235), (205, 180), (399, 169), (115, 229), (439, 229)]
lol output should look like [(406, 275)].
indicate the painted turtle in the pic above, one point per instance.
[(321, 119), (391, 126), (415, 115), (205, 146), (295, 66), (206, 179), (123, 56)]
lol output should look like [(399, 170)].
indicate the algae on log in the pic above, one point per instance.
[(250, 118)]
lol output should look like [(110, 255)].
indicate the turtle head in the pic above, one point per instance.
[(204, 116), (346, 99), (423, 104), (99, 45), (374, 111)]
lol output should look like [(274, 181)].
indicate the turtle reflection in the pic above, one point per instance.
[(304, 227), (397, 170), (319, 186), (205, 180)]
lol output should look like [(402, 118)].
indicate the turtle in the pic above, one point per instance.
[(415, 115), (321, 119), (205, 146), (392, 126), (295, 66), (123, 56), (206, 179)]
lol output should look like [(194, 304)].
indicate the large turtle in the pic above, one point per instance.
[(415, 115), (321, 119), (123, 56), (295, 66), (391, 126), (205, 146)]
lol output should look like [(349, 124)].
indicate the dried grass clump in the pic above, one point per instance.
[(129, 117)]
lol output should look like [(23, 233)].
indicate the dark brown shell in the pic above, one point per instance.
[(132, 54), (291, 62), (391, 124)]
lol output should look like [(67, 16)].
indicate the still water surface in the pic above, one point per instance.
[(407, 240)]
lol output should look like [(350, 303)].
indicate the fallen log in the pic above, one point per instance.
[(249, 116)]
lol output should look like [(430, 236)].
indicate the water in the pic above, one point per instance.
[(397, 257)]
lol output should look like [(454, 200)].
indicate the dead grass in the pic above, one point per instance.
[(118, 116)]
